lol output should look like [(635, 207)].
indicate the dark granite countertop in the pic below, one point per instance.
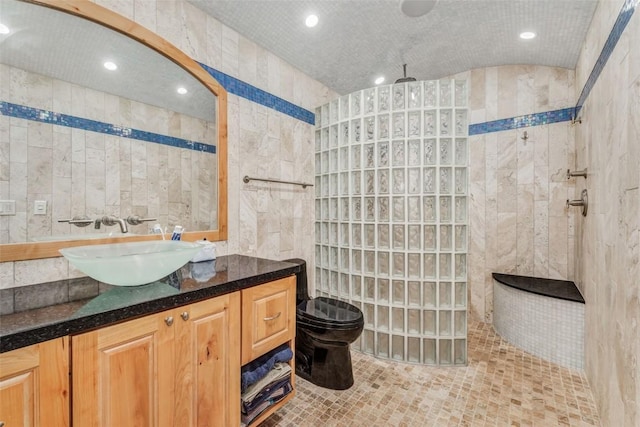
[(561, 289), (192, 283)]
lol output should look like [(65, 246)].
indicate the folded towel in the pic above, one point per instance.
[(276, 396), (279, 371), (265, 394), (256, 370)]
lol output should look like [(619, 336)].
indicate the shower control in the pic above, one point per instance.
[(582, 173), (583, 201)]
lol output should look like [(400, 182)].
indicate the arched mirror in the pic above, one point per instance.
[(107, 130)]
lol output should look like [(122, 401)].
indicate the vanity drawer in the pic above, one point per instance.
[(268, 317)]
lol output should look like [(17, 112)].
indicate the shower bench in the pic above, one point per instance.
[(544, 317)]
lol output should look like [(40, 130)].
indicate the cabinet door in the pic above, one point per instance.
[(34, 385), (208, 363), (123, 375), (268, 317)]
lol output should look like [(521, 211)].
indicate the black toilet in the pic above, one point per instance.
[(324, 329)]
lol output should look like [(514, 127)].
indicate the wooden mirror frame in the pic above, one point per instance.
[(87, 10)]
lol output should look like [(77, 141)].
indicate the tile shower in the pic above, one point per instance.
[(392, 216)]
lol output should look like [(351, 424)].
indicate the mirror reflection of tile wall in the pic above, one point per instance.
[(82, 172), (392, 216)]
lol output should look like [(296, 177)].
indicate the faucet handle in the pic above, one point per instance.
[(78, 221), (136, 220), (582, 201)]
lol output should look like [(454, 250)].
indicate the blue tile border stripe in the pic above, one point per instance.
[(252, 93), (566, 114), (44, 116), (537, 119), (618, 28)]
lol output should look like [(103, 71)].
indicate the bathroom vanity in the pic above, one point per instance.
[(165, 354)]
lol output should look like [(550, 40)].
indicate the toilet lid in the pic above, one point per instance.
[(330, 310)]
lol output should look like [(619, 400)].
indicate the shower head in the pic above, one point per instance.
[(405, 78)]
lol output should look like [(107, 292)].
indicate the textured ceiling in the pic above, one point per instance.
[(358, 40), (72, 49)]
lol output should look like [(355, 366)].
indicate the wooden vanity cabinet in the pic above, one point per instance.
[(180, 367), (269, 320), (175, 368), (34, 385), (268, 317)]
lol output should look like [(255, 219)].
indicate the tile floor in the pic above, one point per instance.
[(501, 386)]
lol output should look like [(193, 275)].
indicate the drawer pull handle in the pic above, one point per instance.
[(168, 320), (185, 315), (267, 319)]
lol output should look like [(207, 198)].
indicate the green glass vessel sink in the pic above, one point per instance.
[(131, 264)]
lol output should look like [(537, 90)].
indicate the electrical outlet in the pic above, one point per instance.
[(7, 207), (40, 207)]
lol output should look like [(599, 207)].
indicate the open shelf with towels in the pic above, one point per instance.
[(268, 345)]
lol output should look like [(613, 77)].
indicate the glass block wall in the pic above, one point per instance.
[(391, 216)]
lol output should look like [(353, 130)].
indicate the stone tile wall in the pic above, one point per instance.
[(265, 220), (518, 187), (607, 263)]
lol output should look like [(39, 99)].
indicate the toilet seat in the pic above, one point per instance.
[(324, 311)]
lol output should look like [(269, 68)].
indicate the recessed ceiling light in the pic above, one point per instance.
[(527, 35), (110, 66), (417, 8), (311, 21), (182, 90), (379, 80), (4, 29)]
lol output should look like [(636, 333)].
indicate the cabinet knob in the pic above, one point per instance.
[(185, 315), (168, 320), (266, 319)]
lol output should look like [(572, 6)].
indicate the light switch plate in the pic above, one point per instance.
[(40, 207), (7, 207)]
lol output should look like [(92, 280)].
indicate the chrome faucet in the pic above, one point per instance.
[(112, 220)]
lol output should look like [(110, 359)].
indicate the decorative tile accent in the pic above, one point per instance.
[(252, 93), (618, 28), (537, 119), (44, 116), (565, 114)]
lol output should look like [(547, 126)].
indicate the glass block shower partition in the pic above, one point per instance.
[(391, 216)]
